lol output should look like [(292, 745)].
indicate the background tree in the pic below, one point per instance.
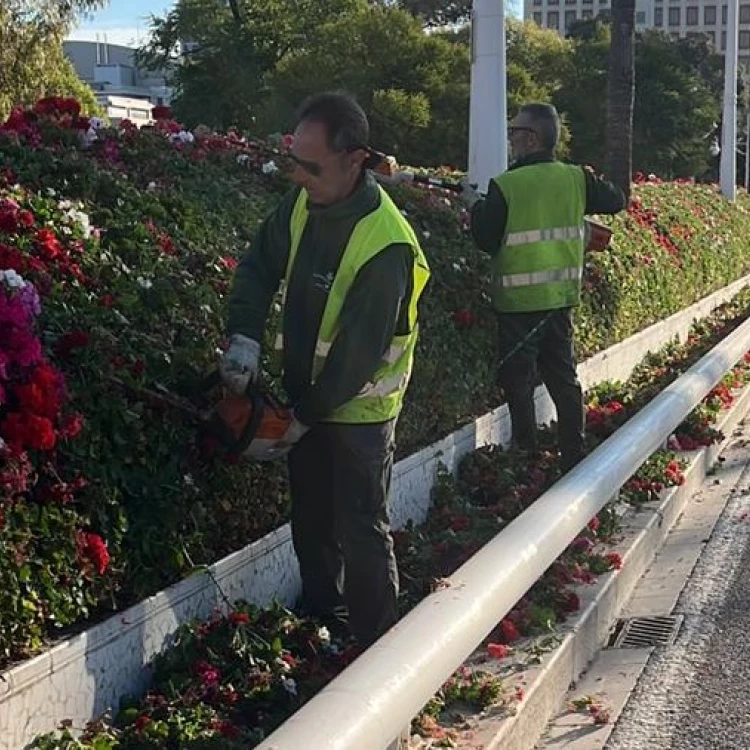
[(432, 12), (32, 63), (230, 49), (414, 85), (620, 94)]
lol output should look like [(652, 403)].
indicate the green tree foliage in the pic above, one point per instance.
[(230, 48), (32, 63), (433, 12), (414, 85)]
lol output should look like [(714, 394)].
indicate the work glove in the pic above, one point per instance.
[(469, 194), (292, 436), (239, 365)]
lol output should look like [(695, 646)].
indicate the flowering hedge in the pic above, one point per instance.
[(129, 238), (231, 680)]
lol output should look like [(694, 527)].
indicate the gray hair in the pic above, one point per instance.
[(345, 122), (546, 122)]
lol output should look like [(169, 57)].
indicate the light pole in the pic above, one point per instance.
[(727, 171), (488, 112)]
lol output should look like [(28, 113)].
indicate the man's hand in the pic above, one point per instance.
[(239, 365), (469, 194)]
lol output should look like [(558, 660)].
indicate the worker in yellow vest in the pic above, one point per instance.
[(349, 271), (531, 222)]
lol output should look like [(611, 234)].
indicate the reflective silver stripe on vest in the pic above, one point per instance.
[(540, 277), (385, 387), (393, 354), (540, 235), (322, 348)]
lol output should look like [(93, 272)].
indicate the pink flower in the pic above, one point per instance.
[(498, 650)]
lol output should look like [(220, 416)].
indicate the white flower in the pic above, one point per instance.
[(289, 685), (96, 123), (2, 444), (243, 158), (269, 167), (456, 267), (186, 136), (144, 283), (151, 186), (12, 279), (88, 137), (284, 666), (426, 234), (188, 479), (324, 634)]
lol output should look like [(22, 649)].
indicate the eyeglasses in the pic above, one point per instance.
[(512, 129), (289, 161)]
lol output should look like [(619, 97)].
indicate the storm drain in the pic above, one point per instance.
[(641, 632)]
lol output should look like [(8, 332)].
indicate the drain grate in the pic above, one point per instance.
[(640, 632)]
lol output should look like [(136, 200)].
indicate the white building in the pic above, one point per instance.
[(679, 17), (121, 87)]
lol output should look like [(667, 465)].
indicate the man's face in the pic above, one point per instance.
[(523, 136), (328, 176)]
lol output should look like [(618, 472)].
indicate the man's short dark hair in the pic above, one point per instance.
[(344, 120), (546, 122)]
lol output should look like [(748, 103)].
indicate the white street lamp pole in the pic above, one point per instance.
[(488, 136), (727, 171)]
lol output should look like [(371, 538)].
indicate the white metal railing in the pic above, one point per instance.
[(367, 705)]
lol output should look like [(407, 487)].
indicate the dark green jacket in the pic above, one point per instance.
[(489, 216), (372, 314)]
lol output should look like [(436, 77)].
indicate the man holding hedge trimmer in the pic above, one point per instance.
[(351, 272), (532, 224)]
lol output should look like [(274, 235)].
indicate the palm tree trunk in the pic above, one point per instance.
[(620, 95)]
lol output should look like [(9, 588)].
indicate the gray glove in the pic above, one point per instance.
[(469, 194), (239, 365)]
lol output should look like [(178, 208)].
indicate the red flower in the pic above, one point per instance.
[(68, 342), (48, 244), (92, 548), (71, 426), (106, 300), (594, 524), (498, 650), (509, 631), (209, 675), (28, 431), (161, 113), (615, 560), (239, 618), (228, 262), (142, 721), (26, 219), (464, 318)]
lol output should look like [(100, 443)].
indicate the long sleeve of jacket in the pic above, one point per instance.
[(260, 271), (489, 217), (372, 313), (602, 196)]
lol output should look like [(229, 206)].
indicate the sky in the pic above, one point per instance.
[(126, 21), (123, 21)]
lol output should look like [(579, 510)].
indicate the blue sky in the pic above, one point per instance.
[(123, 21), (126, 21)]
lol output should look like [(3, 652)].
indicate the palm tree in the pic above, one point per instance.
[(620, 94)]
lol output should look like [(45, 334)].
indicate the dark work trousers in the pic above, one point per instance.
[(549, 353), (340, 478)]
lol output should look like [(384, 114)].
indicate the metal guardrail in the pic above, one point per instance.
[(367, 705)]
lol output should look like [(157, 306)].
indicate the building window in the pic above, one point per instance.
[(674, 16), (744, 39), (691, 16), (570, 18), (570, 2), (588, 2), (538, 19), (553, 20), (603, 2), (537, 2), (723, 41), (587, 15), (709, 15), (744, 13), (658, 16), (724, 14), (640, 17)]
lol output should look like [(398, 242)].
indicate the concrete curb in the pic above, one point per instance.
[(643, 533)]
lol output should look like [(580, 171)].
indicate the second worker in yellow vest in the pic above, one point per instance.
[(532, 224), (350, 272)]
